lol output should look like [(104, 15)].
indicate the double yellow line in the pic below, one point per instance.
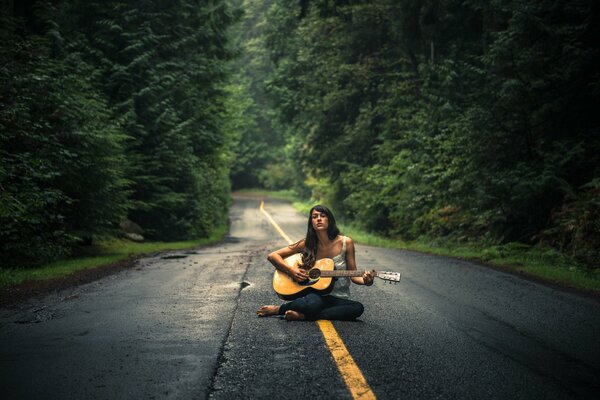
[(354, 379)]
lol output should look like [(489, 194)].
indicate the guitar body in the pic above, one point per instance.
[(321, 278), (288, 289)]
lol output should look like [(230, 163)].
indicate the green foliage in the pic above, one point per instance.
[(112, 109), (445, 119), (575, 226), (61, 153), (103, 252), (165, 68)]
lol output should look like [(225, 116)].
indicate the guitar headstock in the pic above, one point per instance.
[(389, 276)]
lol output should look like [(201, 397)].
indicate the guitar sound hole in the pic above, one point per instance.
[(314, 273)]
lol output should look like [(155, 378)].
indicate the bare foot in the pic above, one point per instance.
[(293, 316), (267, 311)]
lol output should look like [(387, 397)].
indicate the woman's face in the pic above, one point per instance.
[(319, 219)]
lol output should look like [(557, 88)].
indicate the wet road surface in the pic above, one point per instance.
[(183, 326)]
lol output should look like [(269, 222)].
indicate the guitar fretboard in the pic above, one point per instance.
[(342, 273)]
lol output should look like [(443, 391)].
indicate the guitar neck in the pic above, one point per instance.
[(338, 273)]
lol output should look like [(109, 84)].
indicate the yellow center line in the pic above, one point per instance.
[(354, 379), (277, 227)]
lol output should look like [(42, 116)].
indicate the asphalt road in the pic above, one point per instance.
[(182, 326)]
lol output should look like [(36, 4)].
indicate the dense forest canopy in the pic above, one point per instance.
[(461, 120), (111, 109)]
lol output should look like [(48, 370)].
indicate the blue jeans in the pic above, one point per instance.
[(316, 307)]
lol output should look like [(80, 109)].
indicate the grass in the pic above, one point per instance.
[(537, 262), (106, 251)]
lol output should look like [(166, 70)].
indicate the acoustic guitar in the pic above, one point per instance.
[(320, 278)]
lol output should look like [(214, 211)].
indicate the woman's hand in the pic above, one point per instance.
[(298, 274), (368, 278)]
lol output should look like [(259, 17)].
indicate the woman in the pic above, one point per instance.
[(323, 240)]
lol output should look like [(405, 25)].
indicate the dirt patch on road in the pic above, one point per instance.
[(34, 288)]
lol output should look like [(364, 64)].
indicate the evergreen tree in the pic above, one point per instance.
[(111, 109), (61, 153), (165, 65), (457, 119)]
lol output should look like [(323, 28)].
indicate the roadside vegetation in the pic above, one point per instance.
[(103, 252), (111, 111), (543, 263)]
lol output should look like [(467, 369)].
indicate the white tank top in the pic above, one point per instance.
[(341, 287)]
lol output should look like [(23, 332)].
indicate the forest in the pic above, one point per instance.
[(464, 121)]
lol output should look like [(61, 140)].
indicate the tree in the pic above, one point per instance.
[(62, 175), (452, 119)]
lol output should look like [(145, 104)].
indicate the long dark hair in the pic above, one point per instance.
[(311, 242)]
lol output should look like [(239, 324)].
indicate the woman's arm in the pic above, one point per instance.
[(367, 278), (277, 259)]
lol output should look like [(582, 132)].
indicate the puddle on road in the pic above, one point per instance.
[(173, 256), (232, 239), (36, 316)]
